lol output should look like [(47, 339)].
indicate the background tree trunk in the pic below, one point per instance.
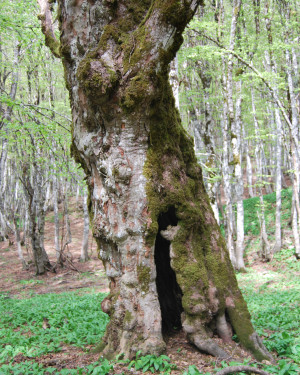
[(84, 257), (239, 184), (5, 118), (159, 241), (56, 213), (278, 182), (36, 214)]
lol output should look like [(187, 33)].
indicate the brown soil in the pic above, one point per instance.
[(77, 275)]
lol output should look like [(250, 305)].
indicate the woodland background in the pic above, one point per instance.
[(236, 85)]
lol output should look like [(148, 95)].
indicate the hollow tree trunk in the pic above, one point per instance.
[(157, 236)]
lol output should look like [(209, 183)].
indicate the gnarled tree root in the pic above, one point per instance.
[(259, 346), (201, 336), (235, 369), (207, 345)]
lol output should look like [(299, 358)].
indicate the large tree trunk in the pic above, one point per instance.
[(157, 236)]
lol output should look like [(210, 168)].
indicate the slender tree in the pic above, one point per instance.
[(84, 256)]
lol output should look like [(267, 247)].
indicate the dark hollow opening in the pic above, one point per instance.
[(169, 292)]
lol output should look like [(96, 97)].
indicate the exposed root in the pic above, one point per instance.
[(258, 344), (235, 369), (224, 328), (207, 345)]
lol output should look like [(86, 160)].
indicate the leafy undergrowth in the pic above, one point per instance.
[(273, 298), (33, 328), (252, 210), (43, 323), (96, 368), (152, 363), (252, 207)]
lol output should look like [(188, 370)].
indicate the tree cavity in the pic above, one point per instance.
[(169, 292)]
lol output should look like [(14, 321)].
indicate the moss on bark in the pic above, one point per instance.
[(199, 256), (127, 74)]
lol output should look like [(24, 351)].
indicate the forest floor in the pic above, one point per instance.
[(90, 277)]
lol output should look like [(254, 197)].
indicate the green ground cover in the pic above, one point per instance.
[(74, 319), (273, 299), (41, 324), (252, 209)]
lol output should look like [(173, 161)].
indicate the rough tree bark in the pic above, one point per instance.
[(157, 236)]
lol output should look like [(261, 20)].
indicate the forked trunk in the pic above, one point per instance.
[(157, 236)]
